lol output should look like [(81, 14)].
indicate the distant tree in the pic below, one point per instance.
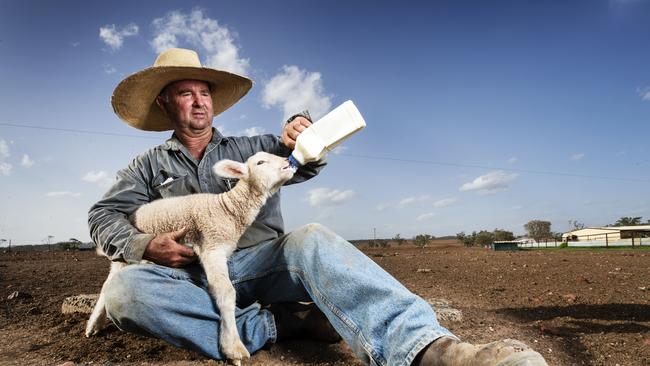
[(421, 240), (484, 238), (556, 236), (503, 235), (628, 221), (575, 225), (398, 239), (467, 240), (382, 243), (72, 244), (538, 229)]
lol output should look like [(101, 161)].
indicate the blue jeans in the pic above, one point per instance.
[(381, 320)]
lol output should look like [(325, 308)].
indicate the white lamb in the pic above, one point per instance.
[(215, 222)]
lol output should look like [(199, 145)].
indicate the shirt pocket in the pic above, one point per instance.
[(170, 184)]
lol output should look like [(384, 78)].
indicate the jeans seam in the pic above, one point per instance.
[(271, 327)]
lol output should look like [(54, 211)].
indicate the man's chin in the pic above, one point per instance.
[(201, 125)]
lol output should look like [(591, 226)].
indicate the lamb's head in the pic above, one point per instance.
[(263, 172)]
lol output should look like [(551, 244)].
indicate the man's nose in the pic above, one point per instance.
[(198, 101)]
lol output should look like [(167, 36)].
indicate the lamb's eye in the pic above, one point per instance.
[(261, 162)]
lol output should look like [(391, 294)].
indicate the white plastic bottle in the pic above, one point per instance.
[(326, 133)]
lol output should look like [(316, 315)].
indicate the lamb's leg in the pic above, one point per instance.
[(98, 319), (221, 289)]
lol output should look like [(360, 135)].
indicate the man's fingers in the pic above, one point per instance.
[(186, 251), (303, 122)]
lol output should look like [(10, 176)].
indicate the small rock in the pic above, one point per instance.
[(79, 304), (643, 288), (570, 297), (425, 270), (444, 312), (19, 295), (449, 315), (68, 363), (34, 311)]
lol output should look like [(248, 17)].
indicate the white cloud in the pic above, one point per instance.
[(489, 183), (109, 69), (409, 200), (100, 177), (75, 44), (4, 149), (56, 194), (381, 207), (295, 90), (328, 197), (426, 216), (645, 94), (445, 202), (5, 168), (253, 131), (512, 160), (223, 130), (215, 41), (339, 149), (26, 161), (114, 36), (576, 157)]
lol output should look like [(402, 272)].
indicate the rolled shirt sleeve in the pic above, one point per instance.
[(109, 223)]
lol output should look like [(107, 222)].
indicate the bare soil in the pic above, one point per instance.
[(576, 307)]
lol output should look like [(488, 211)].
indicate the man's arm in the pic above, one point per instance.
[(111, 229)]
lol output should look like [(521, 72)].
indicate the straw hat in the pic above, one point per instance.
[(134, 98)]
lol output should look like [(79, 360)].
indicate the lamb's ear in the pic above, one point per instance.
[(230, 169)]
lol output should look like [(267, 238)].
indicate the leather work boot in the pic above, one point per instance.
[(507, 352), (302, 321)]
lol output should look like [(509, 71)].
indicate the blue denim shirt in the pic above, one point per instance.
[(170, 170)]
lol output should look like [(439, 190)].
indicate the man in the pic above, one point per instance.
[(382, 321)]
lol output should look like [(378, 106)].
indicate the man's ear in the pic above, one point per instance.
[(160, 102), (230, 169)]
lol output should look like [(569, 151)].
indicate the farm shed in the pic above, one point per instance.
[(505, 245), (614, 233)]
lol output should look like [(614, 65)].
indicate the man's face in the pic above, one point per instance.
[(189, 105)]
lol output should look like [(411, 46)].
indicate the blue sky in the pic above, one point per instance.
[(480, 115)]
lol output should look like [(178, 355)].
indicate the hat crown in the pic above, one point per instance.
[(178, 57)]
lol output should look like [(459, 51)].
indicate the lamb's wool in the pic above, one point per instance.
[(215, 223)]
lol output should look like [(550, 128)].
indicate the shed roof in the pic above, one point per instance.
[(609, 229)]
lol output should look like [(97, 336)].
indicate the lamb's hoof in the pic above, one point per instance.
[(91, 330), (236, 352)]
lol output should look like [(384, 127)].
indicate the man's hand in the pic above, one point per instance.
[(292, 130), (164, 249)]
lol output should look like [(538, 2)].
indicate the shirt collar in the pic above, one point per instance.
[(174, 144)]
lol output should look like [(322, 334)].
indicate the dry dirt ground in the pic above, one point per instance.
[(576, 307)]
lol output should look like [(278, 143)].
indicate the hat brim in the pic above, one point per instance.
[(134, 98)]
